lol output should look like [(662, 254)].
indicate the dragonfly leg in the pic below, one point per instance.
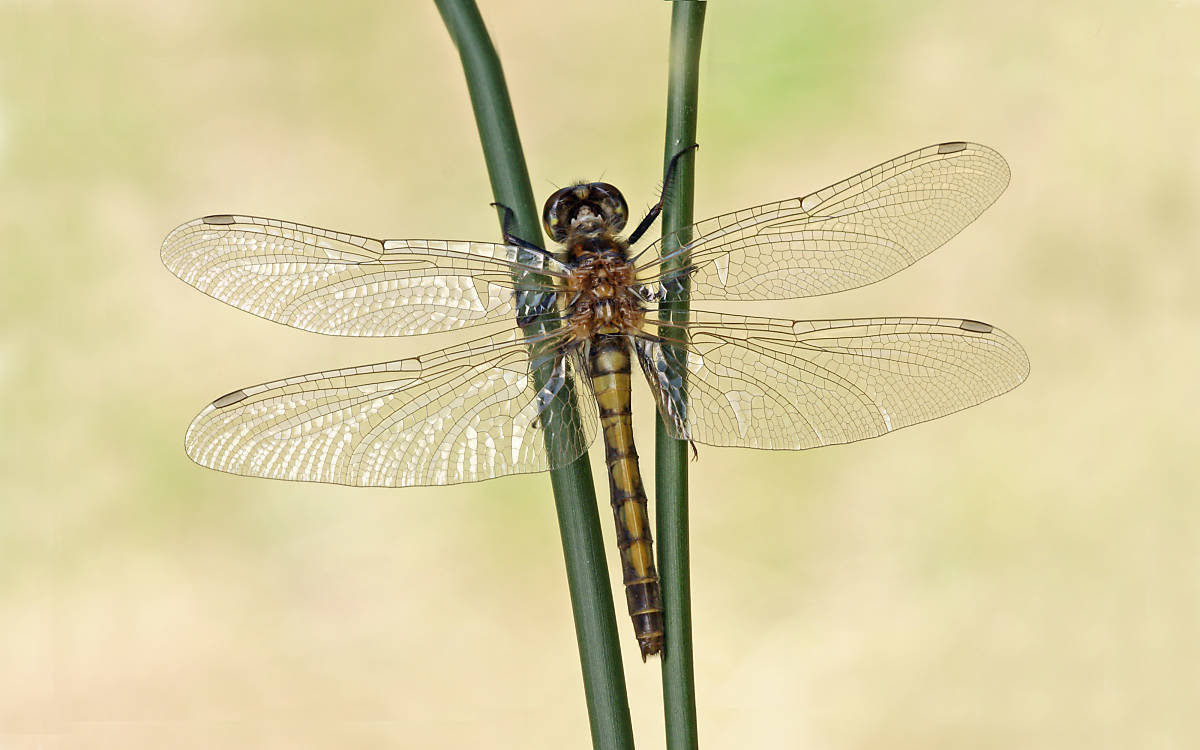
[(657, 208), (510, 218), (548, 392)]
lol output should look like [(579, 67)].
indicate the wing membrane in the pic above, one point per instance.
[(850, 234), (463, 414), (732, 380), (342, 284)]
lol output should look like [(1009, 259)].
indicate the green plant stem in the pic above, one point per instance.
[(671, 456), (574, 491)]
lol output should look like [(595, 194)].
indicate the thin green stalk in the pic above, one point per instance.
[(671, 456), (574, 491)]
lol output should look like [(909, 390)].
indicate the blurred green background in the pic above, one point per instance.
[(1023, 574)]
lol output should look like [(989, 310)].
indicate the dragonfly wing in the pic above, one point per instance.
[(854, 233), (732, 380), (463, 414), (342, 284)]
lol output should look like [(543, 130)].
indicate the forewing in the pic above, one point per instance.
[(768, 383), (337, 283), (854, 233), (462, 414)]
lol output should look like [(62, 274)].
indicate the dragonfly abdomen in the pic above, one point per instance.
[(610, 373)]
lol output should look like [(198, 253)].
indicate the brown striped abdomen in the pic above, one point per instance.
[(610, 372)]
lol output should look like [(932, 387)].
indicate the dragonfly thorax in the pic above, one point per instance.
[(600, 282)]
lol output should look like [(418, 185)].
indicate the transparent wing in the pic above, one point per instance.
[(768, 383), (462, 414), (337, 283), (854, 233)]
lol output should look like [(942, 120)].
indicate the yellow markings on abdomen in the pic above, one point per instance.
[(610, 373)]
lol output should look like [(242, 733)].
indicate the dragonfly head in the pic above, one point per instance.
[(587, 208)]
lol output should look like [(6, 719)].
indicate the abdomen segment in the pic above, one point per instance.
[(610, 373)]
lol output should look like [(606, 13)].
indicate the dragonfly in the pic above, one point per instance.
[(556, 334)]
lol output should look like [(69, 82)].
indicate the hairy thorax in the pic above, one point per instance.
[(600, 286)]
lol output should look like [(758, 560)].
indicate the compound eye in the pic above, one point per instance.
[(556, 216), (611, 203)]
